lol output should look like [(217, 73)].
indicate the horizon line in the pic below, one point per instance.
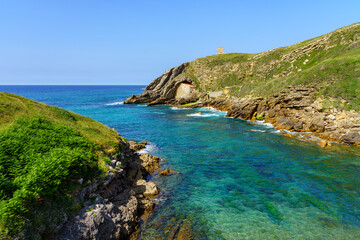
[(74, 84)]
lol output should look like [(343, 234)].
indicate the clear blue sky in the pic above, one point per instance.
[(133, 42)]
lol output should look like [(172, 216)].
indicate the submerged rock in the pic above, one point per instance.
[(168, 171), (323, 143)]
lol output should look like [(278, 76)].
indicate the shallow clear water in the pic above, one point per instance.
[(239, 180)]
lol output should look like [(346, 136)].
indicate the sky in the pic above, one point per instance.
[(108, 42)]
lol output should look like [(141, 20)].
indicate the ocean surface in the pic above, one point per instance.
[(239, 180)]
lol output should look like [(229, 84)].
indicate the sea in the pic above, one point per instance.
[(238, 179)]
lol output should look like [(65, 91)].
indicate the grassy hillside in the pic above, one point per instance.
[(330, 63), (44, 150)]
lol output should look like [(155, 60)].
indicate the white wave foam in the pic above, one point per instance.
[(160, 199), (142, 88), (114, 103), (213, 109), (176, 108), (256, 130), (284, 131), (203, 115), (263, 123), (149, 148)]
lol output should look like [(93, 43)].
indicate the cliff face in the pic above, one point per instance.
[(310, 86), (163, 89), (113, 205)]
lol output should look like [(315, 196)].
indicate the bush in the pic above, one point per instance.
[(38, 160)]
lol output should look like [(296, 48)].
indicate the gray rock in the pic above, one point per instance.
[(105, 221), (299, 126), (353, 137), (81, 180), (316, 125), (113, 163), (285, 123)]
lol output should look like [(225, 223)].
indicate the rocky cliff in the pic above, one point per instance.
[(162, 89), (66, 176), (113, 206), (312, 86)]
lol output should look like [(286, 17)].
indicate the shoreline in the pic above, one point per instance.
[(295, 109), (307, 120), (115, 205)]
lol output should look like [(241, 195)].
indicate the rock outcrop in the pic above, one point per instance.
[(285, 86), (112, 207), (163, 89), (168, 171), (294, 109)]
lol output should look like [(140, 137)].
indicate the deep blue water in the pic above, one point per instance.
[(239, 180)]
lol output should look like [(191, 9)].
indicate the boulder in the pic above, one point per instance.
[(299, 126), (323, 143), (353, 137), (316, 125), (148, 189), (103, 221), (150, 162), (285, 123), (168, 171), (136, 146), (244, 109)]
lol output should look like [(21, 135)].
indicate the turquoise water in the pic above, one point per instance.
[(239, 180)]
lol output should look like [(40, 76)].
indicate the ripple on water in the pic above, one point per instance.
[(234, 184)]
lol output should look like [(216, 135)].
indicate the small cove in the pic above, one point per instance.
[(238, 180)]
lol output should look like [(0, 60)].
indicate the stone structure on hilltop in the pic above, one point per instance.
[(220, 50)]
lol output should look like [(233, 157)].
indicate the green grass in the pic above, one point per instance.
[(221, 59), (329, 63), (43, 151), (13, 107), (187, 104)]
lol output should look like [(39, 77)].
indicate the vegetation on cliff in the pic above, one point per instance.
[(306, 87), (44, 151), (329, 63)]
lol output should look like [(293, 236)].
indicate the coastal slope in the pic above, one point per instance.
[(311, 86), (66, 176)]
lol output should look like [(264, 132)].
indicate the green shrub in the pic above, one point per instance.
[(38, 161)]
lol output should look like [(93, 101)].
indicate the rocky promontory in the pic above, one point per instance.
[(163, 89), (312, 86), (113, 206)]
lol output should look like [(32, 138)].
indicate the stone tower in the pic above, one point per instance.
[(220, 50)]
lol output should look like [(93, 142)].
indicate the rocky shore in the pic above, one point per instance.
[(112, 206), (306, 87), (296, 109)]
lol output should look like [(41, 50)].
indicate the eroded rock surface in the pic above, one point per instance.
[(294, 109), (113, 205), (162, 90)]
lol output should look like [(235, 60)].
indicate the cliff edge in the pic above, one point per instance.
[(66, 176), (312, 86)]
